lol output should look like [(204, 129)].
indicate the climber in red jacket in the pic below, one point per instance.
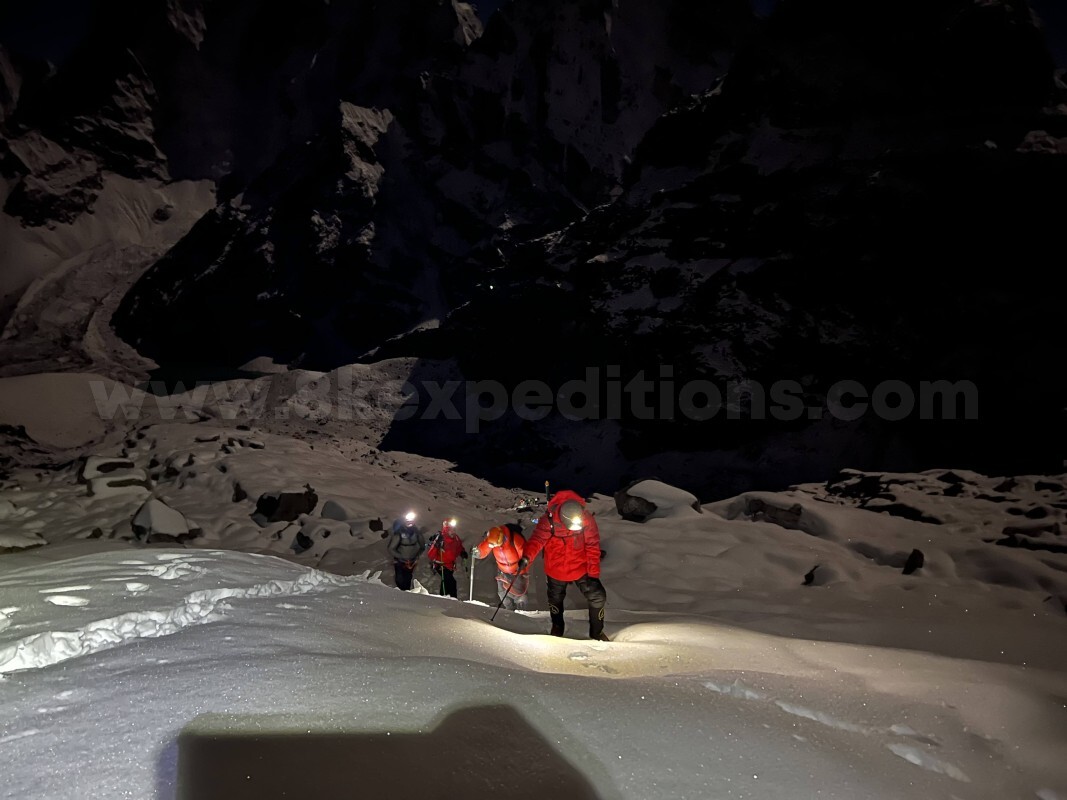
[(570, 538), (507, 544), (445, 549)]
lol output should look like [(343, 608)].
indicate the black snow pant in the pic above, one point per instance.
[(448, 582), (403, 570), (595, 595)]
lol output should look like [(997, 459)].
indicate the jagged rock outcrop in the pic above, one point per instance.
[(436, 160)]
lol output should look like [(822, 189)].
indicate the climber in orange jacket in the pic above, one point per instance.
[(506, 544)]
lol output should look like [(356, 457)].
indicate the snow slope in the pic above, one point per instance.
[(99, 685)]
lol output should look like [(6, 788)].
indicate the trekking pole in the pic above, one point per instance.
[(505, 597), (470, 596)]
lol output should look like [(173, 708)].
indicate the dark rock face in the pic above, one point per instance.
[(10, 84), (915, 562), (302, 543), (420, 167), (284, 506), (762, 511), (651, 183), (820, 216), (632, 508), (54, 184)]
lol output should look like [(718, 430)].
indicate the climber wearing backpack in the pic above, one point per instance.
[(445, 549), (570, 538), (506, 543), (405, 546)]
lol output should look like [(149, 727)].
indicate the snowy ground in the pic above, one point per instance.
[(737, 670)]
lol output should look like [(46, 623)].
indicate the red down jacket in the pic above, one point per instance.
[(447, 555), (569, 555)]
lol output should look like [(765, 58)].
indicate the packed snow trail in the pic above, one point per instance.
[(672, 708)]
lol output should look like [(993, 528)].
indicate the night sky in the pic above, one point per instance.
[(48, 29), (51, 29)]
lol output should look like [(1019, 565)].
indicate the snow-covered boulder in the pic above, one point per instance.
[(11, 541), (787, 516), (105, 466), (133, 482), (319, 528), (108, 476), (155, 521), (332, 509), (652, 499)]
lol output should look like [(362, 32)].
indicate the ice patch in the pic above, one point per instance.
[(914, 755), (735, 689), (821, 718), (172, 571), (69, 600), (911, 733)]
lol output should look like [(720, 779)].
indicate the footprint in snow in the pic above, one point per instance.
[(14, 737), (585, 661), (66, 600), (910, 733)]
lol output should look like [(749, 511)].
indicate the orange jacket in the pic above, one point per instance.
[(569, 555), (507, 547)]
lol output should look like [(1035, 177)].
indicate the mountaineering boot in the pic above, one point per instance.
[(555, 612), (596, 623)]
